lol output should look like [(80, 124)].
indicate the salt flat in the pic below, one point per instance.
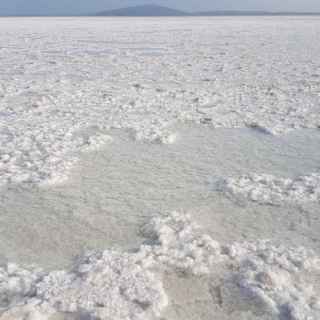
[(125, 134)]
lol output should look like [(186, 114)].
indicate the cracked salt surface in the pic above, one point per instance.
[(103, 127)]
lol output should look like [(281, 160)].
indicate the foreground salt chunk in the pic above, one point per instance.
[(280, 280), (179, 243), (107, 285), (17, 283)]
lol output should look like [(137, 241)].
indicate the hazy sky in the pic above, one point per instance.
[(52, 7)]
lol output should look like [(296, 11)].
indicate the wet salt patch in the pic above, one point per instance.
[(119, 285), (115, 189), (268, 189)]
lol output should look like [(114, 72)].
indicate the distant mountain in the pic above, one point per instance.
[(144, 11)]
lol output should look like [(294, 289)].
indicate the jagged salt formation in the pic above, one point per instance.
[(177, 242), (113, 285), (279, 280), (16, 284), (268, 189), (107, 285)]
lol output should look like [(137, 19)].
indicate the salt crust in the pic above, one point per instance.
[(113, 285), (268, 189), (106, 285), (63, 87)]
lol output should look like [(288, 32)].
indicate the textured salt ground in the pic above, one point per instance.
[(117, 189), (63, 86)]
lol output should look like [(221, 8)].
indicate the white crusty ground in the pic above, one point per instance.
[(113, 285), (179, 243), (278, 279), (63, 86), (107, 285), (269, 189)]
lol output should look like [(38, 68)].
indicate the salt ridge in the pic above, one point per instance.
[(269, 189)]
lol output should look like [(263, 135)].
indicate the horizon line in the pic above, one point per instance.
[(216, 13)]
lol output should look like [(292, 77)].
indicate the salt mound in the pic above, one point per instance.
[(107, 285), (17, 283), (178, 243), (278, 279), (268, 189), (154, 135)]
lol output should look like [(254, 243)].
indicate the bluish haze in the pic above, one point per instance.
[(57, 7)]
